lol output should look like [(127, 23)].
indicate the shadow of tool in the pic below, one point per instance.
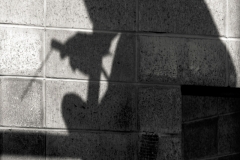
[(115, 111)]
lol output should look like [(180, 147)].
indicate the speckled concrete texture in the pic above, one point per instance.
[(182, 60), (106, 15), (93, 56), (80, 145), (200, 139), (68, 105), (21, 103), (184, 17), (21, 51), (23, 145), (233, 18), (159, 109), (196, 107), (228, 105), (233, 47), (169, 148), (30, 12), (229, 130)]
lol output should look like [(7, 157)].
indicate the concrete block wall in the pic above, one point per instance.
[(102, 79)]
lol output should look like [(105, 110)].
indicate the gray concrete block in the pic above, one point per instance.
[(153, 146), (228, 105), (184, 17), (229, 130), (21, 102), (170, 148), (30, 12), (182, 60), (107, 15), (95, 56), (90, 145), (233, 18), (196, 107), (21, 51), (160, 109), (233, 63), (72, 104), (23, 145), (200, 139)]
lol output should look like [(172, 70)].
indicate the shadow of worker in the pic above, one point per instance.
[(114, 110)]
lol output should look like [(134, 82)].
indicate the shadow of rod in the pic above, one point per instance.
[(35, 75)]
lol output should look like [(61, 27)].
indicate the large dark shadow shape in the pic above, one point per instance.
[(87, 58), (211, 117)]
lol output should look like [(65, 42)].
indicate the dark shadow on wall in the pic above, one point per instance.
[(85, 53)]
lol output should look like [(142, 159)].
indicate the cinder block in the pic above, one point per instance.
[(229, 130), (107, 15), (79, 145), (233, 18), (21, 51), (90, 105), (23, 145), (196, 107), (30, 12), (21, 102), (118, 146), (153, 146), (228, 105), (233, 63), (184, 17), (91, 56), (160, 109), (182, 60), (170, 148), (231, 157), (200, 139)]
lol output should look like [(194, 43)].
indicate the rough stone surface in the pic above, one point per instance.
[(29, 12), (182, 60), (200, 139), (79, 145), (90, 56), (159, 109), (229, 130), (21, 51), (196, 107), (77, 105), (107, 15), (21, 103), (233, 18), (23, 145), (185, 17), (233, 48), (169, 148)]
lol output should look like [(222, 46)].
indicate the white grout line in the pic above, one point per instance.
[(175, 85), (226, 43), (31, 129), (44, 66), (122, 32), (21, 26)]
